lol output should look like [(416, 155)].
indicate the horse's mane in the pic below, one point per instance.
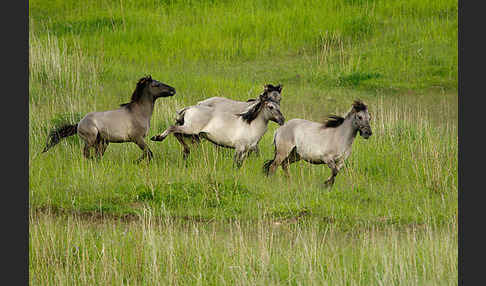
[(333, 121), (252, 113), (267, 89), (359, 105), (138, 92)]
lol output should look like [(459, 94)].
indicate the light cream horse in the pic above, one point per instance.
[(273, 93), (319, 143), (238, 131)]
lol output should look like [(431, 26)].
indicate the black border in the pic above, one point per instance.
[(471, 111), (15, 134)]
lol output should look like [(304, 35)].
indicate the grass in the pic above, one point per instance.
[(71, 250), (391, 217)]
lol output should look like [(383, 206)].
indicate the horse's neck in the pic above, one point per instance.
[(143, 111), (258, 125), (347, 132), (145, 108)]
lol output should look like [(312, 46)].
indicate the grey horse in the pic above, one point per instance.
[(128, 123), (273, 93), (319, 143), (239, 131)]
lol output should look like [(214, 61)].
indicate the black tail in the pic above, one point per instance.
[(57, 134), (266, 166)]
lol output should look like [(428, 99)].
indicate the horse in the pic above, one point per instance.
[(128, 123), (319, 143), (273, 93), (240, 131), (229, 105)]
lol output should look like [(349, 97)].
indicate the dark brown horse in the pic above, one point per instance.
[(129, 123)]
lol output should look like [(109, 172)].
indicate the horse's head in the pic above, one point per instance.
[(361, 118), (158, 89), (265, 106), (272, 112), (154, 88), (272, 93)]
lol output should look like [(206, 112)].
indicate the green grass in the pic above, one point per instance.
[(396, 198), (150, 251)]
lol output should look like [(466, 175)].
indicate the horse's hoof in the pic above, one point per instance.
[(328, 185)]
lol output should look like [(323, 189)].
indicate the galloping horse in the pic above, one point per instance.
[(317, 143), (239, 131), (273, 93), (129, 123)]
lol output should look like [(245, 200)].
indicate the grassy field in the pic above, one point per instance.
[(391, 217)]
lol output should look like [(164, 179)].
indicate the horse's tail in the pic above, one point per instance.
[(57, 134), (266, 165), (180, 118)]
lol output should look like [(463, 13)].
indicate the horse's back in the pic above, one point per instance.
[(226, 104), (305, 136), (285, 134), (113, 125)]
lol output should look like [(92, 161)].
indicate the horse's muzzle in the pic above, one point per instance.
[(365, 133), (170, 92)]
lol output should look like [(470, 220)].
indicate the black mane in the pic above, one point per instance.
[(138, 92), (251, 114), (359, 105), (333, 121)]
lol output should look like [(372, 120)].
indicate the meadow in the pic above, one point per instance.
[(391, 217)]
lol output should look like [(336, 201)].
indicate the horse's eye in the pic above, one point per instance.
[(271, 107)]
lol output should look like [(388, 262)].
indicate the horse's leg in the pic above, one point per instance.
[(146, 150), (180, 138), (164, 134), (89, 134), (292, 158), (255, 150), (101, 147), (282, 153), (86, 152), (105, 145), (334, 169), (87, 145), (195, 139), (240, 155), (98, 146)]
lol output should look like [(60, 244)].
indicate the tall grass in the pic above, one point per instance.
[(166, 252), (402, 43)]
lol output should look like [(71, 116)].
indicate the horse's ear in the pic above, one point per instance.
[(279, 87), (264, 96), (358, 105)]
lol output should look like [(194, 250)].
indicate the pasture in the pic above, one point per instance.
[(391, 216)]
